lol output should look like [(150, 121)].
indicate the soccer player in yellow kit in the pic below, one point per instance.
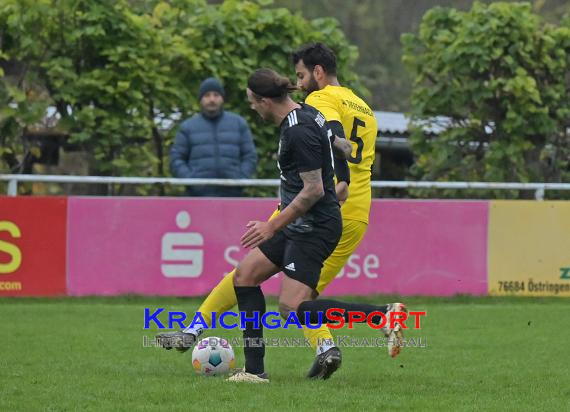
[(348, 115)]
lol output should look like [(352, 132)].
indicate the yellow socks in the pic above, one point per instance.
[(221, 299), (317, 336)]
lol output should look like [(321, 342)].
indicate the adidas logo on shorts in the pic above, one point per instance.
[(290, 266)]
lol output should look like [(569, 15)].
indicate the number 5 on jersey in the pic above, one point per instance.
[(359, 143)]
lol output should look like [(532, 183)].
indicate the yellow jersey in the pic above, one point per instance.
[(340, 104)]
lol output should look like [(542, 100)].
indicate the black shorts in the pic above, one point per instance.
[(301, 255)]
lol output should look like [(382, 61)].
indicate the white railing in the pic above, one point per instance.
[(538, 188)]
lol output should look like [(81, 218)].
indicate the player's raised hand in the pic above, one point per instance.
[(257, 233)]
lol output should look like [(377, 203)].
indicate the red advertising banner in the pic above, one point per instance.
[(33, 246)]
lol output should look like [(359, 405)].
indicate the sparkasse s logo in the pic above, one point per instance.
[(182, 254)]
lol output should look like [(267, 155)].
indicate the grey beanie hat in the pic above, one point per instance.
[(211, 84)]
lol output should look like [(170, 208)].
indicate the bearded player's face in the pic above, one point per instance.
[(305, 78)]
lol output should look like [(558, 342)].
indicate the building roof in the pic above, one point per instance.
[(394, 123)]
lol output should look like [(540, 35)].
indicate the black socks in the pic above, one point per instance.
[(250, 300)]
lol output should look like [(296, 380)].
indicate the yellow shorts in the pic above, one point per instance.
[(352, 233)]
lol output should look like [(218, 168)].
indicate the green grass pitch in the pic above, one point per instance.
[(482, 354)]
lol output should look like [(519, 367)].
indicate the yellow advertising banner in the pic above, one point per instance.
[(529, 248)]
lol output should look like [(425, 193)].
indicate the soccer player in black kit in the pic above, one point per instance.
[(299, 239)]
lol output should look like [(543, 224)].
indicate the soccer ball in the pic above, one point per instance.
[(213, 356)]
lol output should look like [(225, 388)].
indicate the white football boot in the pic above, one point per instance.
[(243, 376), (394, 334)]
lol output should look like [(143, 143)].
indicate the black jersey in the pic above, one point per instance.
[(304, 145)]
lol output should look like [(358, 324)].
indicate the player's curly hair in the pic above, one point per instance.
[(269, 84), (314, 54)]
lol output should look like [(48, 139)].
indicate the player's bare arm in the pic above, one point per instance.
[(341, 189), (313, 190), (341, 147)]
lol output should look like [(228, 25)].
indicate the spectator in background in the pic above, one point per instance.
[(213, 144)]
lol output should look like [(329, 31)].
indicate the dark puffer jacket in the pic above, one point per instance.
[(213, 148)]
